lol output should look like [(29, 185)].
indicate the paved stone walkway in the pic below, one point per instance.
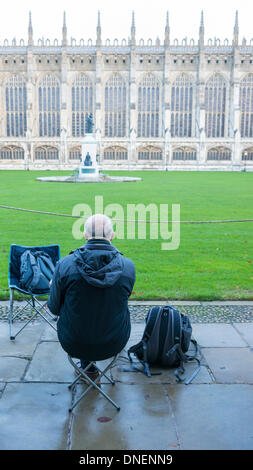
[(214, 412)]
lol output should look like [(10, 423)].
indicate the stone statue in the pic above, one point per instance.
[(87, 161), (89, 125)]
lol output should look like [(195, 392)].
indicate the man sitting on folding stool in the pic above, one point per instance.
[(89, 292)]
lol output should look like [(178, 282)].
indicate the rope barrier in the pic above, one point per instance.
[(131, 221)]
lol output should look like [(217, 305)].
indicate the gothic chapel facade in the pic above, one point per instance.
[(161, 105)]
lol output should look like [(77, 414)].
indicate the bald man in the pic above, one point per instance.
[(89, 292)]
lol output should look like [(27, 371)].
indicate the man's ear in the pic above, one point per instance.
[(112, 236)]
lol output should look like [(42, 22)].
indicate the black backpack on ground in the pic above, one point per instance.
[(165, 342), (36, 271)]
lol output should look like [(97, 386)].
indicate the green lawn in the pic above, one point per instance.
[(214, 261)]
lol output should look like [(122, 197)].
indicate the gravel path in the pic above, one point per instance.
[(200, 313)]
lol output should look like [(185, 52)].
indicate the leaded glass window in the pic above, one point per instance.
[(82, 105), (115, 153), (49, 107), (247, 155), (181, 106), (150, 153), (149, 107), (219, 153), (46, 153), (184, 153), (115, 107), (75, 153), (16, 107), (246, 106), (215, 105), (12, 153)]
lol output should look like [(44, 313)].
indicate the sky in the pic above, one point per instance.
[(150, 18)]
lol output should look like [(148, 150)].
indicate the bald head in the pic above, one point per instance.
[(98, 226)]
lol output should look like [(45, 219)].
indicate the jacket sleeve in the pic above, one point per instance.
[(130, 278), (56, 293)]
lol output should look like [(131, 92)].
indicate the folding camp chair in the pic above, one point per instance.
[(37, 306), (93, 384)]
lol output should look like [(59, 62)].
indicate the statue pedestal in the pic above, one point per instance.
[(88, 166)]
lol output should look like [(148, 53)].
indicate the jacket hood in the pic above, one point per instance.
[(100, 264)]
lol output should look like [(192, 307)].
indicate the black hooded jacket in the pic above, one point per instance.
[(89, 292)]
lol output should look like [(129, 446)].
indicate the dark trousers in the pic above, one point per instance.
[(85, 363)]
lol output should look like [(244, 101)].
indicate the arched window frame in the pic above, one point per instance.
[(246, 106), (219, 154), (115, 153), (150, 153), (216, 96), (182, 106), (149, 107), (184, 154), (247, 155), (49, 106), (16, 106), (81, 104), (115, 99), (75, 153), (8, 153), (46, 153)]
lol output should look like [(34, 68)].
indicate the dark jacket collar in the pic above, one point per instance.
[(96, 241)]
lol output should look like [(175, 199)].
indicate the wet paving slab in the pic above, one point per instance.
[(144, 421), (34, 416), (230, 365), (213, 417)]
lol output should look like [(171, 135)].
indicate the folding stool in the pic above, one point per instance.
[(82, 373), (39, 308)]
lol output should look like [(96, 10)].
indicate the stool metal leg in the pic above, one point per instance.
[(11, 312), (93, 384)]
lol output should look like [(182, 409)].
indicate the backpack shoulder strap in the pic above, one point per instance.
[(36, 271), (151, 319)]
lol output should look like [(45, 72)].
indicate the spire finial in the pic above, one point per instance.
[(202, 19), (236, 29), (133, 30), (201, 30), (167, 30), (64, 30), (30, 30), (133, 20), (99, 40)]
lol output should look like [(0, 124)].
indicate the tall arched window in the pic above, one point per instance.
[(149, 107), (215, 105), (49, 107), (181, 106), (16, 106), (246, 106), (82, 104), (115, 107)]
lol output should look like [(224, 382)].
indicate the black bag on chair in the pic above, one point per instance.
[(36, 271), (166, 340)]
